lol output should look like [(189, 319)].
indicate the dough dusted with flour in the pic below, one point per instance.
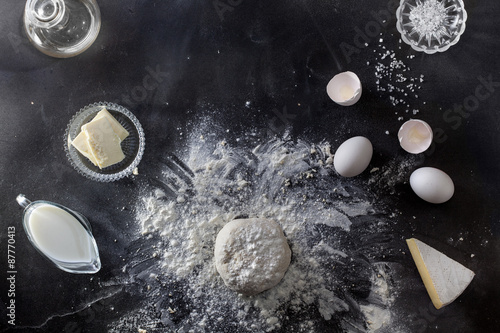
[(251, 255)]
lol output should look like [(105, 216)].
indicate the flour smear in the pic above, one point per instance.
[(340, 234)]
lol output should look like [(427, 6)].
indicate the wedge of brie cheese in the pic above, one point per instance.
[(444, 278), (100, 140)]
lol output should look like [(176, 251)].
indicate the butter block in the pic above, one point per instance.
[(444, 278), (82, 145), (103, 142), (100, 140), (117, 127)]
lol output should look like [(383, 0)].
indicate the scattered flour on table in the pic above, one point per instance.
[(332, 225), (395, 172)]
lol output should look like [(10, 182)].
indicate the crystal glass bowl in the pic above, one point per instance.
[(132, 146), (431, 26)]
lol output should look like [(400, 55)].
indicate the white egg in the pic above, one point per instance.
[(415, 136), (353, 156), (432, 185), (344, 89)]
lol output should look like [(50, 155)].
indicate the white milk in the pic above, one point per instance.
[(59, 235)]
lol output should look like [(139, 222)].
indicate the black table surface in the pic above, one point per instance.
[(171, 62)]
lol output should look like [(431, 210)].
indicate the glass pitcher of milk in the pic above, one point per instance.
[(61, 235)]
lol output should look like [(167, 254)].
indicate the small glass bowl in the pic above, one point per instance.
[(431, 26), (132, 146)]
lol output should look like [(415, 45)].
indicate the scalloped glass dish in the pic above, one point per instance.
[(132, 146), (431, 26)]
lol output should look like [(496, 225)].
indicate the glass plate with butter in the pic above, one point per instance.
[(104, 142)]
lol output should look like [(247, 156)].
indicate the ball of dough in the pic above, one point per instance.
[(251, 255)]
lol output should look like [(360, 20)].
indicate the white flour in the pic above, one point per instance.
[(331, 225)]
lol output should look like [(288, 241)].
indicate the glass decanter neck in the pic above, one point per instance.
[(45, 13)]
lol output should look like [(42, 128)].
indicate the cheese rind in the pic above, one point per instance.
[(117, 127), (103, 142), (444, 278)]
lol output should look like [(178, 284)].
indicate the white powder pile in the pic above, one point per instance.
[(337, 278)]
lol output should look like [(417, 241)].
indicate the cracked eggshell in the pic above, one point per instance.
[(432, 185), (353, 156), (344, 88), (415, 136)]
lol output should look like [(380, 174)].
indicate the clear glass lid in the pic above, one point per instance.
[(62, 28)]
